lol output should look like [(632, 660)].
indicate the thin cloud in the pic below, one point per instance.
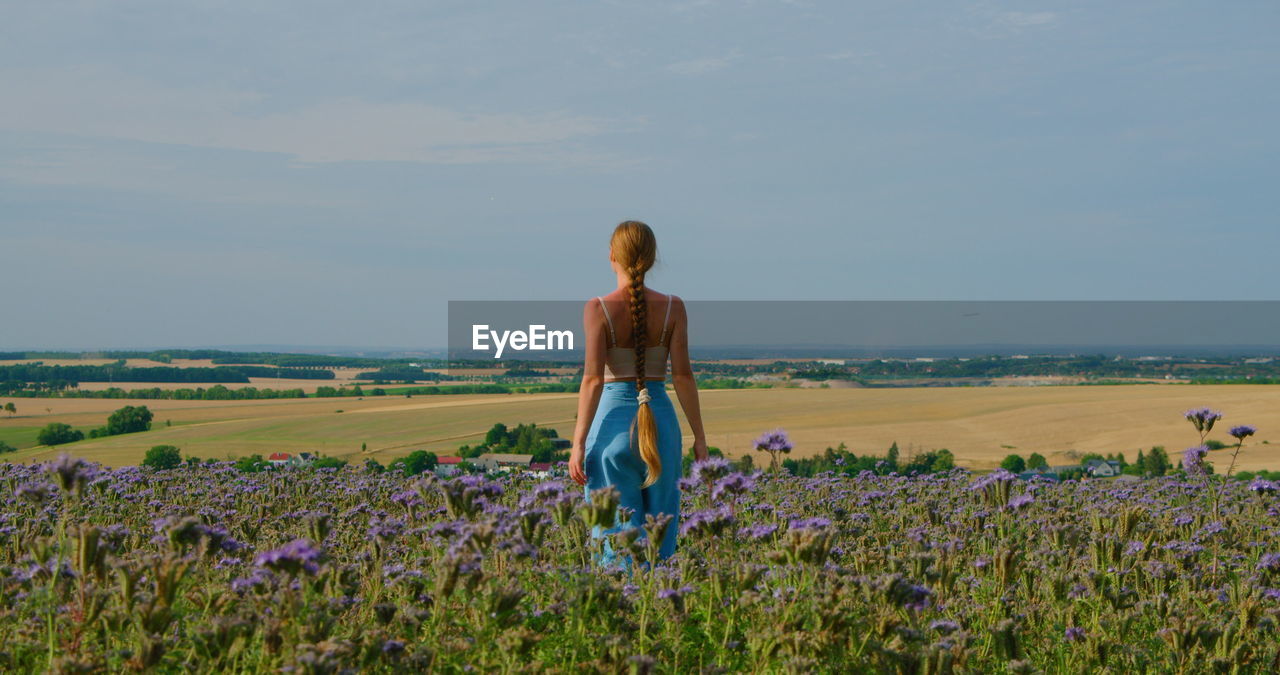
[(101, 103), (1024, 19), (702, 66)]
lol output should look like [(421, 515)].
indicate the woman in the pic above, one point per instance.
[(627, 433)]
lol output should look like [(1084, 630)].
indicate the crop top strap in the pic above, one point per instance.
[(666, 318), (613, 339)]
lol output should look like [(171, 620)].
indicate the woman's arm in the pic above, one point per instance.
[(682, 377), (592, 385)]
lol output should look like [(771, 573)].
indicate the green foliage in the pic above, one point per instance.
[(841, 461), (373, 466), (328, 463), (57, 433), (163, 457), (127, 420), (416, 462), (524, 439), (252, 464), (10, 408), (1013, 463), (1037, 461), (6, 448)]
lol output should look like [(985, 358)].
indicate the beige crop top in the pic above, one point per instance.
[(620, 362)]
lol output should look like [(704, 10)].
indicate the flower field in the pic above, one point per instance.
[(329, 570)]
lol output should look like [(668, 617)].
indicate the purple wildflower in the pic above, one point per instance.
[(1020, 501), (1263, 486), (712, 521), (732, 484), (814, 523), (1243, 431), (709, 469), (775, 440), (1269, 562), (1193, 460), (1074, 634), (295, 556), (756, 532), (1202, 418)]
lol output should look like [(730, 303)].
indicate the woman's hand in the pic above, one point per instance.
[(575, 467), (700, 449)]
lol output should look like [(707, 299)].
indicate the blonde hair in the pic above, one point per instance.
[(634, 249)]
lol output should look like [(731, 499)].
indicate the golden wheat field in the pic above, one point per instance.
[(979, 424)]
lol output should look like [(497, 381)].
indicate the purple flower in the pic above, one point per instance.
[(1263, 486), (756, 532), (712, 521), (1243, 431), (775, 440), (1269, 562), (1074, 634), (998, 476), (392, 647), (1020, 501), (295, 556), (675, 593), (814, 523), (709, 469), (1202, 418), (1193, 460), (732, 484), (944, 626)]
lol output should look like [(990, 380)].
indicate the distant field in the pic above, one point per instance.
[(974, 423)]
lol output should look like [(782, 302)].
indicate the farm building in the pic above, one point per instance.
[(285, 458), (448, 465), (540, 469), (498, 461), (1102, 468)]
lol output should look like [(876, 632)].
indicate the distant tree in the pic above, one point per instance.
[(946, 460), (1037, 461), (163, 457), (1014, 463), (892, 456), (127, 420), (5, 448), (11, 408), (372, 465), (1090, 456), (496, 436), (251, 464), (57, 433), (416, 462), (1157, 463)]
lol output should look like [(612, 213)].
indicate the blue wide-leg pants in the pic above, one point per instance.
[(612, 458)]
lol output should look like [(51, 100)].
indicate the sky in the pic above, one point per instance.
[(333, 173)]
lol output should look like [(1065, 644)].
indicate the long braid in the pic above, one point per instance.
[(639, 323), (636, 248)]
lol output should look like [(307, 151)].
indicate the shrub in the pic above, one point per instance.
[(57, 433), (1014, 463), (163, 457), (328, 463), (251, 464)]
